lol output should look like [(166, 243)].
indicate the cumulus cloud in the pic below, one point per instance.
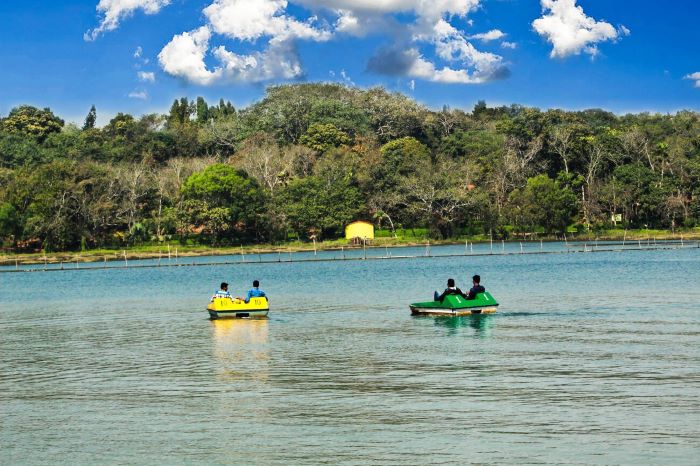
[(565, 25), (276, 31), (183, 57), (140, 95), (493, 34), (114, 11), (146, 76), (694, 77), (509, 45)]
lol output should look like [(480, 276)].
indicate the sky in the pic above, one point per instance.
[(137, 56)]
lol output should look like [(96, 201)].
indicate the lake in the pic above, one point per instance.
[(593, 358)]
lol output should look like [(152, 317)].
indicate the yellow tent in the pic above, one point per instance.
[(359, 229)]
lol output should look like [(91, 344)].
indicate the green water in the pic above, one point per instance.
[(592, 359)]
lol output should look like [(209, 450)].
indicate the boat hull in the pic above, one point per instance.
[(238, 314), (225, 308), (455, 305), (451, 312)]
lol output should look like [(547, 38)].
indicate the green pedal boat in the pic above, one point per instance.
[(454, 305)]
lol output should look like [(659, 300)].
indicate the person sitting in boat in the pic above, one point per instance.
[(476, 289), (222, 293), (254, 292), (451, 289)]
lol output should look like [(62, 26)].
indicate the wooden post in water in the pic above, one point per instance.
[(471, 247), (521, 247), (126, 262), (279, 256), (105, 261), (45, 264), (364, 246), (16, 264), (541, 247), (624, 238), (168, 254), (159, 254), (175, 256), (503, 245)]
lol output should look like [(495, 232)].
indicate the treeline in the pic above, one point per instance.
[(307, 159)]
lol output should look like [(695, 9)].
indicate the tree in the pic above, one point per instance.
[(313, 206), (10, 225), (90, 119), (544, 202), (262, 158), (202, 111), (225, 202), (323, 137), (32, 121)]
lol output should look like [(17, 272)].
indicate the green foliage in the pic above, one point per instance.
[(10, 225), (225, 202), (544, 202), (90, 119), (323, 137), (308, 158), (316, 207), (31, 121)]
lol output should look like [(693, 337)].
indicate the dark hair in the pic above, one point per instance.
[(476, 278), (256, 283), (224, 285), (450, 282)]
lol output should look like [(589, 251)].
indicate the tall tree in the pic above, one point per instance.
[(90, 119)]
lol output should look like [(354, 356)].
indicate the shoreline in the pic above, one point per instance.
[(177, 250)]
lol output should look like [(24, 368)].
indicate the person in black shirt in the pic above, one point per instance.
[(477, 288), (451, 289)]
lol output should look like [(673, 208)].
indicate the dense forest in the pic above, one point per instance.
[(309, 158)]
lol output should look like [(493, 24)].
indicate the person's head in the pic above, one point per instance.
[(256, 283), (450, 282), (476, 279), (224, 286)]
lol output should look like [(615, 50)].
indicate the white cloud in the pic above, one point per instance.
[(493, 34), (138, 52), (183, 57), (146, 76), (694, 77), (412, 84), (277, 61), (252, 19), (509, 45), (565, 25), (140, 95), (270, 22), (113, 11)]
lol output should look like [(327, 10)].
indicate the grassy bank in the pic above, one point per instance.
[(174, 249)]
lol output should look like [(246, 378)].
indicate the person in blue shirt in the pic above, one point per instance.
[(476, 289), (222, 293), (254, 292)]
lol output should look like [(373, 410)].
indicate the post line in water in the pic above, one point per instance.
[(671, 245)]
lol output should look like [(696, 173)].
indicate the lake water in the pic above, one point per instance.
[(593, 359)]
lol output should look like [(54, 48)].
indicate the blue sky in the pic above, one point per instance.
[(138, 55)]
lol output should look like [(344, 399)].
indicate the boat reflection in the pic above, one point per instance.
[(241, 346), (481, 323)]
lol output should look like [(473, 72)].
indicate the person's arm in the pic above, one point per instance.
[(248, 296), (472, 294), (441, 298)]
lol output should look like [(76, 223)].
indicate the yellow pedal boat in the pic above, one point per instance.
[(236, 308)]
